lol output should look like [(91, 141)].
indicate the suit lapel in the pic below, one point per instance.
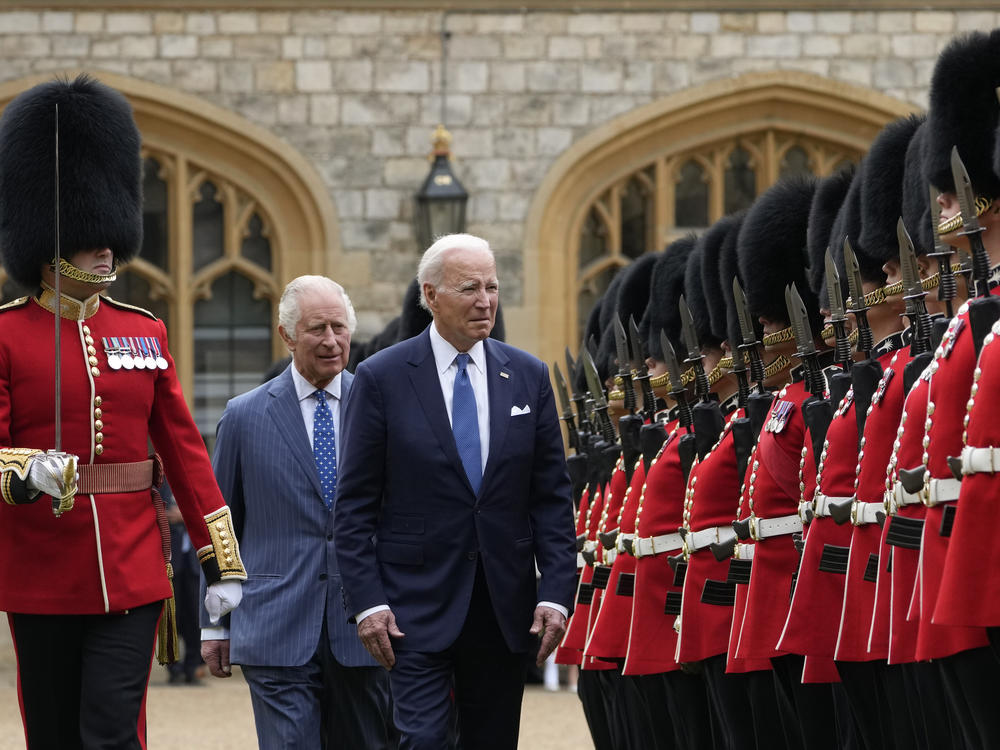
[(284, 409), (427, 385), (501, 397)]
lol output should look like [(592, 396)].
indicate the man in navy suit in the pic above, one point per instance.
[(452, 488), (311, 683)]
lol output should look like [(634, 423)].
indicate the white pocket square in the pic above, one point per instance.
[(517, 411)]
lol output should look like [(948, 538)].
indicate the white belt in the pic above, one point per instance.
[(624, 542), (580, 562), (865, 513), (942, 491), (821, 505), (900, 497), (765, 528), (656, 545), (744, 551), (976, 460), (696, 540), (609, 556)]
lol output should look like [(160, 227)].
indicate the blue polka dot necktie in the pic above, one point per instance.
[(325, 448), (465, 424)]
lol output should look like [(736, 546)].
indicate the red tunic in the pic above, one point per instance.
[(970, 581), (609, 637), (814, 613), (576, 628), (859, 593), (652, 638), (565, 655), (714, 490), (774, 492), (950, 384), (106, 554)]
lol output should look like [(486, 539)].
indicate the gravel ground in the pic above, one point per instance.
[(217, 714)]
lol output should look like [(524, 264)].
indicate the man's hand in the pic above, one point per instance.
[(375, 631), (216, 656), (223, 597), (552, 626)]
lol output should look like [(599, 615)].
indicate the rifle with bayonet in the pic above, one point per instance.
[(866, 374), (576, 464), (984, 310), (817, 411), (652, 433), (840, 382), (607, 448), (707, 415), (759, 401), (947, 285), (686, 446), (630, 423)]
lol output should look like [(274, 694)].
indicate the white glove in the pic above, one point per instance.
[(55, 474), (222, 597)]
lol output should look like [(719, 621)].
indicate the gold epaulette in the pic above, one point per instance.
[(14, 304), (14, 462), (220, 560), (123, 306)]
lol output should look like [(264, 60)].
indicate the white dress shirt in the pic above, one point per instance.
[(446, 362), (307, 404)]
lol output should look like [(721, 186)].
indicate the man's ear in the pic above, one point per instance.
[(289, 341), (430, 295)]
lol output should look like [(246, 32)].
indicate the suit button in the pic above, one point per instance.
[(471, 555), (322, 576), (329, 537)]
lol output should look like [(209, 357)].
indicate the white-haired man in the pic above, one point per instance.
[(455, 467), (312, 684)]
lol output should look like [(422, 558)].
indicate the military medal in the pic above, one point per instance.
[(137, 359), (779, 416), (147, 355), (111, 353), (161, 361), (123, 351)]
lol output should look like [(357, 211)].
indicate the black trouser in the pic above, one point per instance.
[(83, 677), (810, 712), (730, 696), (767, 726), (590, 689), (970, 679)]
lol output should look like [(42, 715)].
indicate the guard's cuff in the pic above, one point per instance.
[(14, 463), (221, 559)]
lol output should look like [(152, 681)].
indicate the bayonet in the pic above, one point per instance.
[(838, 315), (913, 292), (970, 225), (804, 345), (597, 394), (641, 371), (947, 286), (624, 365), (677, 390), (749, 345), (567, 408), (694, 355), (578, 399), (858, 308)]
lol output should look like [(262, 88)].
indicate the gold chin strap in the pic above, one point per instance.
[(779, 337), (779, 364), (69, 271), (947, 226), (687, 377)]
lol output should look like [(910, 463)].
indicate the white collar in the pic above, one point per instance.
[(445, 353), (304, 389)]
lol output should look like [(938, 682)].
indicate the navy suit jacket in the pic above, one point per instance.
[(409, 528), (265, 468)]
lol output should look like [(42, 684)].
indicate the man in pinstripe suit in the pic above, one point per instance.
[(312, 684)]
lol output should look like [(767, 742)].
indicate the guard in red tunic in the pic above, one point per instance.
[(84, 611)]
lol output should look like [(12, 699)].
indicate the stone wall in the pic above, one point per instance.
[(358, 94)]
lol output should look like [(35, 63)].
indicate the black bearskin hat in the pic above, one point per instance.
[(694, 296), (100, 176), (964, 112), (826, 203), (848, 226), (714, 298), (631, 299), (916, 196), (772, 250), (882, 188), (665, 290), (729, 269)]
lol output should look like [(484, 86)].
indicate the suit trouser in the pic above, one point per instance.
[(321, 704), (82, 678), (484, 675)]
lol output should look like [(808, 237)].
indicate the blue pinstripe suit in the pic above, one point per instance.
[(265, 468)]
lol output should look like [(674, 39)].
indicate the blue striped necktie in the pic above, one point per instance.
[(325, 448), (465, 424)]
